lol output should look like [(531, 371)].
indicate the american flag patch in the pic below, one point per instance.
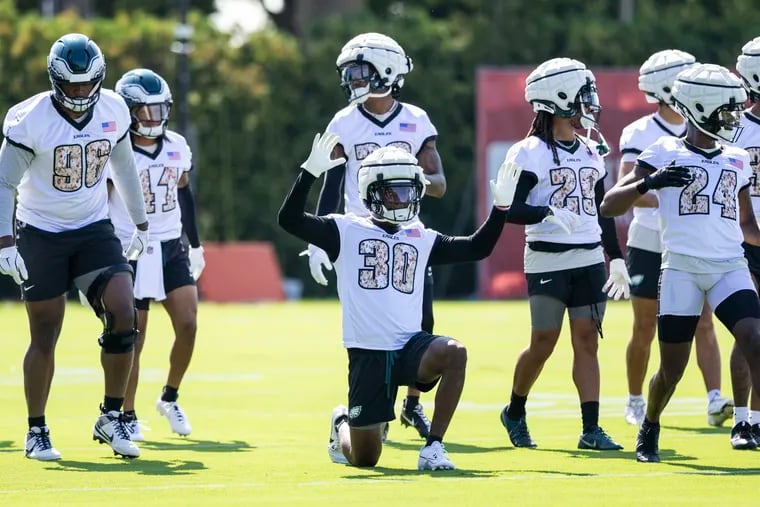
[(412, 233), (108, 126), (407, 127), (173, 155), (736, 162)]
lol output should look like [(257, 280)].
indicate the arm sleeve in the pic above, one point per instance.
[(319, 231), (519, 211), (609, 233), (332, 188), (187, 207), (126, 180), (479, 245), (14, 161)]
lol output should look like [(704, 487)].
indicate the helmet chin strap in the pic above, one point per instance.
[(602, 148)]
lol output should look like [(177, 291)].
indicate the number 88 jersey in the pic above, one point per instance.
[(569, 184), (701, 219)]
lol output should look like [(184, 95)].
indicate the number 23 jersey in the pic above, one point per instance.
[(63, 188), (701, 219)]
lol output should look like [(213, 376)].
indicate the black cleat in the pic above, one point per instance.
[(598, 439), (647, 443), (517, 430), (742, 437), (417, 418)]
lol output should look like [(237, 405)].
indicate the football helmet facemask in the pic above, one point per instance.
[(748, 65), (391, 184), (711, 98), (659, 71), (76, 59), (372, 65), (149, 100)]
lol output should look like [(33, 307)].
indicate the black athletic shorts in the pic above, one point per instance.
[(644, 269), (752, 254), (374, 377), (574, 287), (55, 259)]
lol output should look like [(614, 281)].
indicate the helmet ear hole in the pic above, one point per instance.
[(562, 95), (699, 107)]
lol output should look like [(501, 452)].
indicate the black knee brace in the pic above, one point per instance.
[(117, 343), (98, 286)]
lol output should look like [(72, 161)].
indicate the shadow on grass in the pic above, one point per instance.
[(668, 455), (9, 446), (139, 466), (451, 447), (385, 473), (707, 469), (190, 444), (702, 430)]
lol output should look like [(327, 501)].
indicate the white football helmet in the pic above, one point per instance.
[(372, 65), (657, 74), (711, 98), (391, 184), (748, 65), (149, 100), (564, 87)]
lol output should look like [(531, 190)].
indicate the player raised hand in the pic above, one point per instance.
[(671, 175), (320, 160), (503, 188)]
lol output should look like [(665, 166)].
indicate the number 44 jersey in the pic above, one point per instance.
[(63, 188), (701, 219)]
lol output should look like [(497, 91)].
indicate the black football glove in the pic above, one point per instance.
[(669, 176)]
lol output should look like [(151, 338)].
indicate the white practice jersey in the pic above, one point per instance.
[(636, 138), (64, 188), (749, 139), (160, 172), (701, 220), (408, 128), (381, 279), (567, 185)]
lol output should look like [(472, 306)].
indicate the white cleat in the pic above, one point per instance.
[(135, 430), (333, 447), (433, 457), (635, 411), (111, 429), (38, 445), (719, 410), (177, 418)]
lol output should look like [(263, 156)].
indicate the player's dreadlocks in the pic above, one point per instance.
[(542, 128)]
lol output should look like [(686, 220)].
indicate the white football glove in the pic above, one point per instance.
[(618, 284), (319, 160), (197, 262), (564, 218), (136, 245), (317, 259), (12, 264), (503, 189)]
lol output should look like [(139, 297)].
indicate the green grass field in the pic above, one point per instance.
[(260, 392)]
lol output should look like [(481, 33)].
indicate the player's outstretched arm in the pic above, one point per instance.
[(638, 182)]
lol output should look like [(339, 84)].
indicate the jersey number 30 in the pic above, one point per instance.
[(387, 266)]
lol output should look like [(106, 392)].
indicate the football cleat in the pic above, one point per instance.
[(517, 430), (417, 418), (38, 445), (111, 429), (433, 457), (719, 410), (741, 437), (176, 416), (339, 416), (634, 411), (648, 443), (135, 430), (599, 440)]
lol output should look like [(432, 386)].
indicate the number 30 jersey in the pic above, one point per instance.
[(407, 127), (569, 184), (159, 172), (700, 220), (63, 188), (381, 274)]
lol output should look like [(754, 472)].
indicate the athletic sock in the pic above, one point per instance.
[(169, 394), (516, 408), (433, 438), (590, 415), (411, 404), (111, 404), (741, 414), (40, 421)]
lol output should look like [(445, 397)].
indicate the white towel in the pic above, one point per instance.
[(149, 279)]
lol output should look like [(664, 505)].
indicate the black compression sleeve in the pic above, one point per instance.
[(479, 245), (187, 207), (519, 211), (609, 232), (332, 188)]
